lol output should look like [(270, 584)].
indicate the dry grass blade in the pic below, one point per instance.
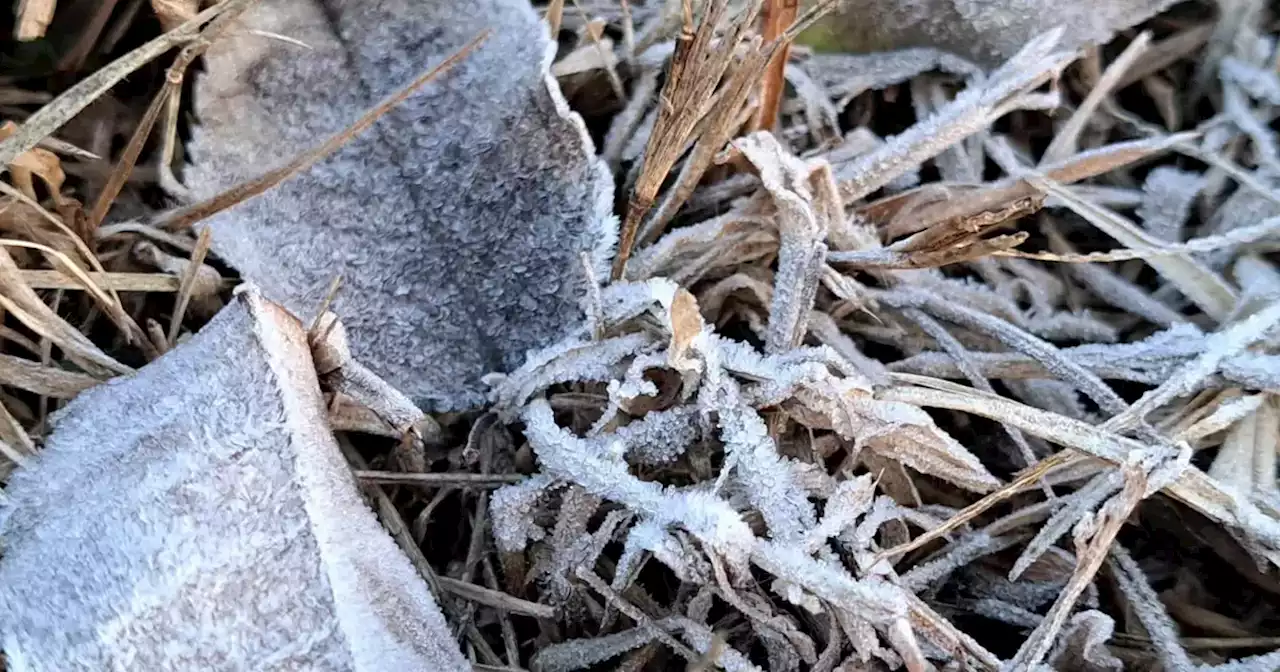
[(1243, 235), (108, 300), (1015, 195), (496, 599), (166, 98), (697, 67), (1025, 479), (19, 299), (41, 379), (14, 434), (118, 282), (188, 283), (1209, 291), (776, 17), (51, 117), (1193, 487), (1066, 142)]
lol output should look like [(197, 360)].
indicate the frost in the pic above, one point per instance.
[(225, 524), (430, 267), (582, 361), (1167, 196), (849, 502), (986, 31), (1083, 644), (566, 456), (661, 436), (1260, 84), (511, 510)]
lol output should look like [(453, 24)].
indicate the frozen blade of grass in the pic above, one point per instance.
[(820, 115), (849, 502), (563, 455), (1146, 605), (1073, 507), (1194, 488), (634, 613), (960, 554), (1093, 538), (577, 654), (973, 110), (1114, 289), (960, 355), (1049, 356), (1167, 196), (624, 125), (512, 514), (71, 102), (751, 453), (1260, 84), (1209, 291), (942, 634), (802, 252), (1084, 640), (900, 432), (1247, 460), (846, 76), (1232, 340), (1222, 417), (1067, 141)]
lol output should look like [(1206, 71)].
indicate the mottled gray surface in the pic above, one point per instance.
[(457, 222), (198, 515), (987, 31)]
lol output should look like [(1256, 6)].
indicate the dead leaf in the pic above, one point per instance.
[(177, 551), (987, 32), (474, 244)]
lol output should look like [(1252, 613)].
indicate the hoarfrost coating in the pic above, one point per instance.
[(457, 222)]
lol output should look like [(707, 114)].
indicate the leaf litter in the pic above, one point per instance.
[(943, 342)]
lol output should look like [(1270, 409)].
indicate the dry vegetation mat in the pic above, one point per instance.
[(664, 334)]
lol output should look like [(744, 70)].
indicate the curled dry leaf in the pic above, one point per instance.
[(34, 17), (457, 222), (219, 448)]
